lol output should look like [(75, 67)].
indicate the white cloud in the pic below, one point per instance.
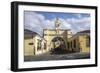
[(37, 22), (65, 24), (79, 24), (33, 22)]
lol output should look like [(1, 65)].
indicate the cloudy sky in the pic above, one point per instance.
[(37, 21)]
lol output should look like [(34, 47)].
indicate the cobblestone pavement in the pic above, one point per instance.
[(48, 56)]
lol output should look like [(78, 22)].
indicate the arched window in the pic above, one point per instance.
[(38, 44)]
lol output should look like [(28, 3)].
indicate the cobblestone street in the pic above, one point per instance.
[(48, 56)]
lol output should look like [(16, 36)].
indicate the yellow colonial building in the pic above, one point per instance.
[(80, 42), (32, 43)]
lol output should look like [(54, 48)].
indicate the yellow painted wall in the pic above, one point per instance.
[(80, 44), (84, 48), (28, 49)]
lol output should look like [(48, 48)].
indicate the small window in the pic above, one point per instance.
[(30, 43)]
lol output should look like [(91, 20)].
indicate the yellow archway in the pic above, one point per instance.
[(50, 34)]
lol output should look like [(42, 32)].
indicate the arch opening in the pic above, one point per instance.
[(58, 46)]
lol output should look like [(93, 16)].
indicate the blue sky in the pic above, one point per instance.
[(37, 21), (51, 15)]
